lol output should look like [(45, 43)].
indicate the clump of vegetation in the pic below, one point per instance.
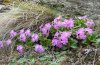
[(62, 34)]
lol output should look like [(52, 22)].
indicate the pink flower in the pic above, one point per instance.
[(12, 34), (1, 45), (64, 40), (66, 34), (20, 49), (8, 42), (64, 23), (64, 37), (57, 23), (61, 39), (39, 48), (68, 23), (89, 23), (23, 37), (81, 34), (28, 32), (21, 31), (57, 43), (56, 40), (57, 18), (82, 17), (34, 37), (47, 26), (56, 35), (45, 29), (90, 31)]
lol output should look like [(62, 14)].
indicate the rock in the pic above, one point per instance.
[(97, 63), (75, 7), (1, 6), (4, 9), (1, 1)]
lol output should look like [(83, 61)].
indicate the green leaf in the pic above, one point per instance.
[(45, 42), (64, 48), (14, 63), (98, 43), (98, 40), (80, 23), (92, 37), (86, 42), (54, 63), (52, 30), (42, 58), (60, 59), (22, 60), (32, 60), (73, 43)]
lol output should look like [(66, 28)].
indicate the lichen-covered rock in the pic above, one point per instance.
[(3, 8), (75, 7)]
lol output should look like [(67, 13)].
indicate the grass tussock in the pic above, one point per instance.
[(33, 14), (29, 15)]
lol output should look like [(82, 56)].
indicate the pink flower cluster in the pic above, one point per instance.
[(67, 23), (89, 23), (34, 37), (81, 33), (60, 38), (39, 48), (23, 35), (8, 42), (45, 29), (27, 33), (20, 49)]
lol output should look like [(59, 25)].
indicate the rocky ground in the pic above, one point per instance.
[(75, 7), (71, 8), (13, 17)]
